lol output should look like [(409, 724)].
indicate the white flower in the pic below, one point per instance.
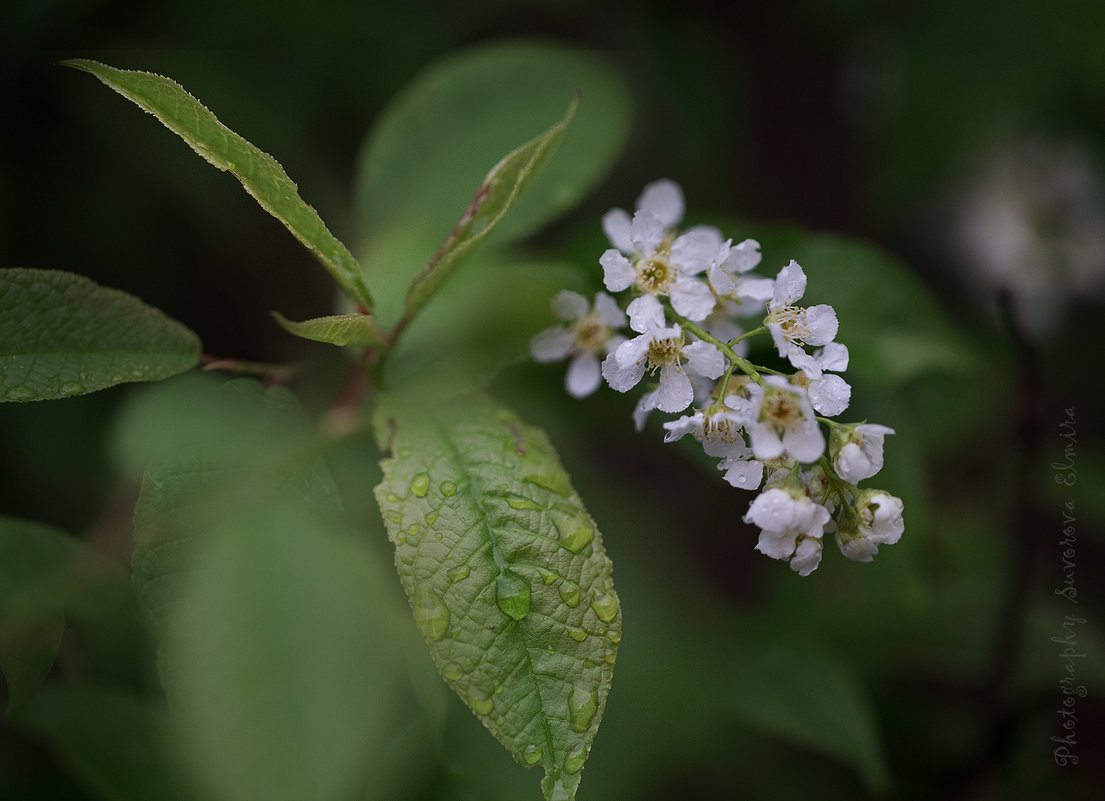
[(783, 518), (859, 456), (585, 333), (807, 556), (792, 326), (880, 522), (746, 294), (660, 348), (661, 264), (782, 421)]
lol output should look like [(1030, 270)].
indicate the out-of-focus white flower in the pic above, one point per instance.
[(585, 334), (1031, 221)]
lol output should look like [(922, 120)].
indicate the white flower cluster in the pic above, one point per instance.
[(693, 292)]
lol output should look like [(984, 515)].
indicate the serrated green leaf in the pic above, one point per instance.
[(432, 145), (338, 329), (499, 191), (115, 744), (63, 335), (506, 574), (260, 174)]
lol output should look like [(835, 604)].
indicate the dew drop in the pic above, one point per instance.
[(556, 483), (531, 754), (392, 498), (519, 502), (512, 594), (71, 388), (431, 518), (569, 593), (452, 671), (459, 573), (547, 576), (605, 606), (394, 516), (614, 636), (583, 702), (430, 613), (413, 532), (579, 635), (575, 759), (20, 392), (420, 485), (577, 538), (481, 702), (448, 489)]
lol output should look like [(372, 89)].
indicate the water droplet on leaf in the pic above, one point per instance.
[(605, 606), (480, 702), (448, 489), (518, 502), (547, 576), (20, 392), (569, 593), (430, 613), (531, 754), (574, 761), (431, 518), (459, 573), (582, 705), (579, 635), (512, 593), (577, 538), (420, 485)]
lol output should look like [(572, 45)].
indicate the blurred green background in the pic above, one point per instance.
[(968, 140)]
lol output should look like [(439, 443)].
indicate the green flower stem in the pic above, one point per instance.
[(739, 361), (762, 329)]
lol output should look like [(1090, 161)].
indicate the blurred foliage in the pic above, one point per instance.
[(931, 673)]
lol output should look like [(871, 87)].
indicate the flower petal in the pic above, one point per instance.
[(621, 378), (743, 474), (705, 359), (552, 344), (676, 392), (804, 441), (583, 376), (615, 224), (692, 298), (569, 305), (647, 232), (807, 556), (790, 285), (618, 273), (645, 405), (664, 199), (765, 442), (609, 311), (822, 324), (646, 314), (693, 252), (829, 394)]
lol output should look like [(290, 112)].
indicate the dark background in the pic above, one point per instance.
[(861, 118)]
